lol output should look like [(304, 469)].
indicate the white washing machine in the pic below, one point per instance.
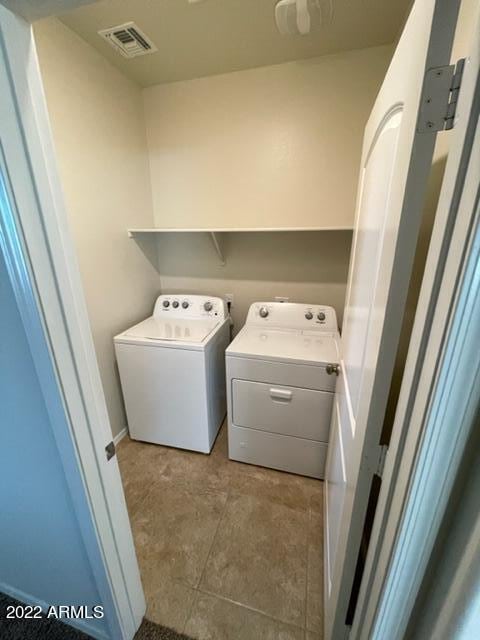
[(281, 373), (172, 370)]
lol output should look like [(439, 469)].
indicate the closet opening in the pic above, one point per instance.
[(209, 158)]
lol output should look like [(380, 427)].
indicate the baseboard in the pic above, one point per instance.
[(120, 436), (82, 625)]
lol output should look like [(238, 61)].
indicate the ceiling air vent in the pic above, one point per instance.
[(129, 40)]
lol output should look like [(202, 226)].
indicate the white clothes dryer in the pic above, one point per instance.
[(280, 385), (172, 371)]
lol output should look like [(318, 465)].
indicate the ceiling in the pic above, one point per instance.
[(208, 37), (33, 10)]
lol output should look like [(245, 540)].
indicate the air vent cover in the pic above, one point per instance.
[(129, 40)]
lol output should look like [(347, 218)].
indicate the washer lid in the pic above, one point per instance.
[(306, 347), (172, 330)]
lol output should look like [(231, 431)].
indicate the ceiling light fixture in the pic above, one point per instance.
[(298, 17)]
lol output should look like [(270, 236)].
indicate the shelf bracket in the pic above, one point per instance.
[(217, 243)]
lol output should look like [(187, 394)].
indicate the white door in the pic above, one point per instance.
[(397, 153)]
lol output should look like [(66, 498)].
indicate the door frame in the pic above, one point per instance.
[(46, 280), (423, 460)]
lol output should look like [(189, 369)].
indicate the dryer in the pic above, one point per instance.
[(280, 385), (172, 372)]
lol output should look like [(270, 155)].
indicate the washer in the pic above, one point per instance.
[(281, 373), (172, 370)]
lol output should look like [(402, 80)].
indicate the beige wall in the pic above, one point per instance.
[(467, 23), (309, 267), (98, 128), (276, 146), (273, 146)]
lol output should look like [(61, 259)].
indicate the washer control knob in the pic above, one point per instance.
[(166, 303), (321, 316), (263, 312), (175, 304), (208, 306), (185, 304), (309, 315)]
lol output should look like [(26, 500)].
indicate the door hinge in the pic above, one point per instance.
[(440, 97), (382, 454), (110, 450)]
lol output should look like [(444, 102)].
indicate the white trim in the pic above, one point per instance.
[(120, 435), (27, 598), (132, 232), (401, 542), (454, 403), (46, 245)]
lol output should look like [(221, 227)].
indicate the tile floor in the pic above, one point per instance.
[(226, 550)]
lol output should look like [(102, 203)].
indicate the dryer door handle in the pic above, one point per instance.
[(281, 394)]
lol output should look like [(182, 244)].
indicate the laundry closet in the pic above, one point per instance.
[(215, 172)]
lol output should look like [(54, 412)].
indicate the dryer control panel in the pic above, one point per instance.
[(189, 306), (293, 315)]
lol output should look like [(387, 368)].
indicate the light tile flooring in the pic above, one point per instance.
[(226, 550)]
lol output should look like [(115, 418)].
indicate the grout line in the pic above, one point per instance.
[(249, 608), (214, 539), (131, 516), (218, 527), (189, 615), (133, 510), (230, 494)]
